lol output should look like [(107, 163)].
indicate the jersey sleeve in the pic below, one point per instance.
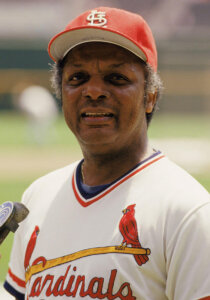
[(15, 279), (188, 257)]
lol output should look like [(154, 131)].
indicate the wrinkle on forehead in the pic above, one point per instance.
[(97, 64)]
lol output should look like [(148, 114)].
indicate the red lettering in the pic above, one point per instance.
[(39, 260), (95, 288), (109, 294), (35, 290), (69, 286), (49, 289), (129, 295), (58, 288), (80, 281)]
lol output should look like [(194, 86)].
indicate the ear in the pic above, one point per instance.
[(151, 100)]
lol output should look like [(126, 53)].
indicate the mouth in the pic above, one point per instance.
[(97, 119), (97, 115)]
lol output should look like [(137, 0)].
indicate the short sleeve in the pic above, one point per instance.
[(15, 279), (188, 257)]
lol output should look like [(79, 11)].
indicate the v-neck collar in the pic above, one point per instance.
[(86, 198)]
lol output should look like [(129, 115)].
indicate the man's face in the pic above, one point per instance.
[(103, 97)]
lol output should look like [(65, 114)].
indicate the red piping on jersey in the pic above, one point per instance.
[(85, 204), (19, 281)]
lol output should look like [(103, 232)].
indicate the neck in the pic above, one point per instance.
[(103, 169)]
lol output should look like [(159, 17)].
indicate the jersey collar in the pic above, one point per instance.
[(86, 199)]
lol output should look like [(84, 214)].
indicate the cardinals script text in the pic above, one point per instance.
[(73, 286)]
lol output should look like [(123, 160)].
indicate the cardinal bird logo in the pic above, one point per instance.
[(128, 229)]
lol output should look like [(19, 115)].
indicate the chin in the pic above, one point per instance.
[(97, 136), (97, 144)]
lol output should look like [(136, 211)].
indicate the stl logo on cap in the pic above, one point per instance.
[(97, 18)]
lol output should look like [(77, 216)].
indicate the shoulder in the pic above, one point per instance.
[(169, 194), (49, 183), (175, 181), (181, 198)]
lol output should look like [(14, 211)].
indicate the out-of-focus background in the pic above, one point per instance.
[(33, 137)]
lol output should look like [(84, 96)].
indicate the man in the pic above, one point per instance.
[(125, 222)]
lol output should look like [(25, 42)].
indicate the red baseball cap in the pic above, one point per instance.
[(110, 25)]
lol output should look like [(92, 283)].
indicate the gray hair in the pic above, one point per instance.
[(153, 83)]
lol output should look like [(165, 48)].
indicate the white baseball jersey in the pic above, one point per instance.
[(145, 236)]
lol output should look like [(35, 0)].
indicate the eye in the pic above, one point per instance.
[(78, 78), (117, 79)]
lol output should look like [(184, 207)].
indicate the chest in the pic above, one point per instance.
[(78, 250)]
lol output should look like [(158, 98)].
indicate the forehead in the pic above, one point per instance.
[(103, 51)]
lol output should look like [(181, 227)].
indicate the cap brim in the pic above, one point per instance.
[(63, 42)]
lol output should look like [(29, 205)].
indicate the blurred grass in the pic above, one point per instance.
[(14, 131), (14, 137), (180, 126)]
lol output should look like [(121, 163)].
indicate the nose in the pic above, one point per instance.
[(95, 89)]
